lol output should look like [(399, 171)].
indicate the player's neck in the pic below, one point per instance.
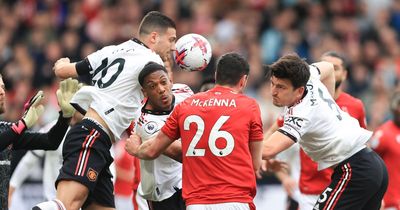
[(234, 89)]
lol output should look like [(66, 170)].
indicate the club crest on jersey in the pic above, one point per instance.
[(296, 121), (151, 127)]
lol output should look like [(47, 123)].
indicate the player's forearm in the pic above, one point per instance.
[(174, 151), (146, 152)]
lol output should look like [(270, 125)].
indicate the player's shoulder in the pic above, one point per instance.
[(352, 100)]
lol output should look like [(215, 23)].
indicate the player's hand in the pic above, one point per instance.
[(132, 144), (60, 63), (33, 110), (65, 93)]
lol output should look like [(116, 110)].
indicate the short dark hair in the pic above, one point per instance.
[(149, 68), (291, 67), (230, 68), (345, 62), (155, 21)]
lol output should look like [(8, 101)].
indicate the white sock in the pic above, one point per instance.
[(50, 205)]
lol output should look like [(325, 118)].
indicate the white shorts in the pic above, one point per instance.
[(219, 206), (307, 201)]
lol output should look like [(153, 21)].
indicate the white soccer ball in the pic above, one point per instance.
[(193, 52)]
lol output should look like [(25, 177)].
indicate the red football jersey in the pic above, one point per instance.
[(386, 142), (215, 128), (313, 181)]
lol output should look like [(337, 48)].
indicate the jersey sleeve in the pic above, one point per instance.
[(256, 126), (362, 119), (97, 58), (171, 127), (294, 126), (314, 72)]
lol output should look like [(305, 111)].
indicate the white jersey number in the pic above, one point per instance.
[(214, 135)]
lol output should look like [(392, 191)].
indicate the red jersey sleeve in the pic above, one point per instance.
[(378, 142), (171, 127), (256, 127), (362, 119)]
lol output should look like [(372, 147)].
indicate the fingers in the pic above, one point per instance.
[(59, 96), (72, 85), (36, 99), (39, 110)]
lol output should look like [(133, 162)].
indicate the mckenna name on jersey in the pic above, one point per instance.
[(214, 102)]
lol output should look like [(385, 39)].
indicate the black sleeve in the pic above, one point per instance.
[(83, 67), (7, 137), (46, 141)]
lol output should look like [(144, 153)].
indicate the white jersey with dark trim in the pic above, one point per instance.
[(326, 133), (161, 177), (115, 92)]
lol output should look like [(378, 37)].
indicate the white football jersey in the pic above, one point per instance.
[(115, 92), (161, 177), (326, 133)]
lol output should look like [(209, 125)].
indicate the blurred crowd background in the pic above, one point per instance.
[(35, 33)]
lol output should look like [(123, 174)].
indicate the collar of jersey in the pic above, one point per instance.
[(223, 89), (139, 42), (158, 112)]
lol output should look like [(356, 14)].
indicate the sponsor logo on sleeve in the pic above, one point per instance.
[(296, 122)]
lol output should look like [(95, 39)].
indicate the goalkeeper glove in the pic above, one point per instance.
[(33, 110), (65, 93)]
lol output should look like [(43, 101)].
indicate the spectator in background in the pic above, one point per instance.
[(386, 142)]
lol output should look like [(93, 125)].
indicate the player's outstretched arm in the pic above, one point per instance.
[(150, 149), (174, 151), (327, 75), (275, 144), (63, 68)]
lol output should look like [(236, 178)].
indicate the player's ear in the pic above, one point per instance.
[(144, 92), (300, 91), (154, 37)]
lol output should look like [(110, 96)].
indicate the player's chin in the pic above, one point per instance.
[(277, 103)]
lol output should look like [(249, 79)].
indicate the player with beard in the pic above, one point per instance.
[(327, 134), (313, 182), (14, 136)]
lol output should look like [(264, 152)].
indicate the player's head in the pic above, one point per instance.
[(2, 95), (207, 84), (156, 86), (289, 76), (340, 65), (232, 70), (395, 107), (158, 32)]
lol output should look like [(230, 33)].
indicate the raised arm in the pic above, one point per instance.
[(63, 68), (327, 73)]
